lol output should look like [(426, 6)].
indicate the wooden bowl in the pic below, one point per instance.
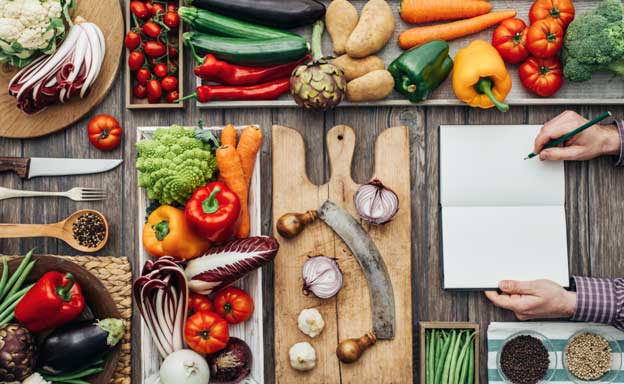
[(97, 298)]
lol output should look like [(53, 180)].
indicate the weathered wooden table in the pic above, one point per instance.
[(595, 193)]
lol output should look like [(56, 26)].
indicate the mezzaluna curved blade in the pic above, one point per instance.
[(373, 266)]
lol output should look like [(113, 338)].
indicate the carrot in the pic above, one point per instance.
[(228, 135), (449, 31), (231, 171), (423, 11), (248, 147)]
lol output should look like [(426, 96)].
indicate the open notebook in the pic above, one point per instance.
[(502, 217)]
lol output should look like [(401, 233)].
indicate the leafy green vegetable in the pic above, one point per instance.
[(173, 164), (594, 42)]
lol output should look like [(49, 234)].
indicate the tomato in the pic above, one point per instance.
[(545, 38), (234, 305), (132, 40), (143, 75), (172, 96), (543, 77), (509, 39), (172, 68), (169, 83), (172, 20), (139, 9), (104, 132), (205, 332), (157, 9), (197, 303), (154, 91), (149, 5), (172, 8), (140, 91), (560, 10), (136, 60), (160, 69), (172, 51), (152, 29), (154, 48)]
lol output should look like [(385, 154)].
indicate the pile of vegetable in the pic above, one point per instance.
[(30, 28), (449, 356), (153, 43)]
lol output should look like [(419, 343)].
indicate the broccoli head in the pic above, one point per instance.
[(594, 42)]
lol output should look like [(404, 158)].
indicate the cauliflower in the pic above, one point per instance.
[(29, 28)]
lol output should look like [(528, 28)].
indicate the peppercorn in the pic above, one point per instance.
[(524, 360), (588, 356), (89, 230)]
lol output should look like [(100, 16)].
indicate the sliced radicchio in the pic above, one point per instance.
[(225, 264)]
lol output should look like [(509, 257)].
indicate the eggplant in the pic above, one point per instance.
[(78, 345), (274, 13)]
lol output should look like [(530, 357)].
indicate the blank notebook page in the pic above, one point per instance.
[(502, 217)]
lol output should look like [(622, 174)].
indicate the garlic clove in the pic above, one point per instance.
[(302, 356), (310, 322)]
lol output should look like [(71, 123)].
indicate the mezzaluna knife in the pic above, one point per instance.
[(29, 167)]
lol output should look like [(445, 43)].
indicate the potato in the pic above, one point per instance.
[(373, 31), (375, 85), (341, 18), (354, 68)]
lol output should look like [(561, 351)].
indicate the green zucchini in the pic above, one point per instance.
[(214, 24), (248, 51)]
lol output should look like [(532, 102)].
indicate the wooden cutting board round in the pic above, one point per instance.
[(14, 123)]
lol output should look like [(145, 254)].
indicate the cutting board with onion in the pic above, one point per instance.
[(348, 314)]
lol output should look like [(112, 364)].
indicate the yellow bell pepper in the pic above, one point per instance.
[(480, 77), (167, 233)]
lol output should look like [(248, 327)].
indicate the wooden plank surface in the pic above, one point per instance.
[(594, 203)]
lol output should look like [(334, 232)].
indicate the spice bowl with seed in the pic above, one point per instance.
[(526, 357), (592, 356)]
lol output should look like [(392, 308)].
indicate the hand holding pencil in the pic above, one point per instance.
[(597, 140)]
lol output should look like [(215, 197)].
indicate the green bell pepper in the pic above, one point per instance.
[(421, 70)]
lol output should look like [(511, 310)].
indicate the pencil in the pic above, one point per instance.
[(571, 134)]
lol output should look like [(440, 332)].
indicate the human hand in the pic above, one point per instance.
[(595, 141), (537, 299)]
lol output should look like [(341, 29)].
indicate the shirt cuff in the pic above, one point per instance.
[(620, 126), (596, 300)]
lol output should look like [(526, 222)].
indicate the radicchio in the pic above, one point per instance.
[(225, 264)]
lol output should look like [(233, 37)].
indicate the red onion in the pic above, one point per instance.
[(375, 202), (231, 364), (322, 277)]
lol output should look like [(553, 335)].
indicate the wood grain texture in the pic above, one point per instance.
[(107, 15)]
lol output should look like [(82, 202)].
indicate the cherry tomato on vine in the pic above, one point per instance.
[(152, 29), (140, 91), (172, 19), (172, 51), (545, 38), (136, 60), (543, 77), (169, 83), (160, 69), (234, 305), (132, 40), (143, 75), (172, 8), (104, 132), (154, 91), (149, 5), (172, 96), (139, 9), (509, 39), (560, 10), (158, 9), (154, 48)]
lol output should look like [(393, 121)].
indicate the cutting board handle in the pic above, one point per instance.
[(340, 147), (18, 165)]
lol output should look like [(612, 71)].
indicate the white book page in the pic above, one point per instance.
[(485, 166), (483, 245)]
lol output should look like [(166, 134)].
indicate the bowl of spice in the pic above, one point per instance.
[(526, 357), (592, 356)]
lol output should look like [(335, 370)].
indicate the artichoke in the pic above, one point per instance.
[(318, 84), (17, 353)]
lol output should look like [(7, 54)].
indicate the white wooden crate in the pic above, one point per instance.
[(250, 331)]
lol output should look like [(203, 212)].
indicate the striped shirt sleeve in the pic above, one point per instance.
[(600, 301), (620, 125)]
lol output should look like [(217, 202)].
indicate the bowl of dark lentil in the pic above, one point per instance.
[(592, 356), (526, 357)]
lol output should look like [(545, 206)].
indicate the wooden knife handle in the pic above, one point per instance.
[(18, 165)]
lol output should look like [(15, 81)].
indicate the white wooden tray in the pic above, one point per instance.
[(250, 331), (602, 89)]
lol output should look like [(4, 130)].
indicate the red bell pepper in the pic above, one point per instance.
[(55, 300), (266, 91), (218, 71), (213, 212)]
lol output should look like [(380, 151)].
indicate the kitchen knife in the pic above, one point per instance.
[(29, 167)]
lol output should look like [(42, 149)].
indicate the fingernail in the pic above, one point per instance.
[(504, 285)]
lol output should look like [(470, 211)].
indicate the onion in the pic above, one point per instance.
[(322, 277), (161, 293), (184, 367), (375, 202), (231, 364)]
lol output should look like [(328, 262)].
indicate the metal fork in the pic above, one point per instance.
[(76, 194)]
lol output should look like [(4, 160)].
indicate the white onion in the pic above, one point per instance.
[(375, 202), (184, 367), (321, 277)]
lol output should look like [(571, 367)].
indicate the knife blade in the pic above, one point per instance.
[(29, 167), (373, 266)]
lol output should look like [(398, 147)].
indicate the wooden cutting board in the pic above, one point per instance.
[(15, 124), (348, 314)]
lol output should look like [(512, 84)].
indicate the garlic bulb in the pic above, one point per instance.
[(302, 356), (310, 322), (35, 378), (322, 277)]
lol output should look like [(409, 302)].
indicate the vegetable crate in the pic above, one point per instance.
[(250, 331), (427, 325), (131, 101), (602, 89)]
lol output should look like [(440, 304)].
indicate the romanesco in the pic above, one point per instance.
[(173, 164)]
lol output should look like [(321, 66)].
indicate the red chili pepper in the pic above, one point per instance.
[(213, 212), (266, 91), (55, 300), (218, 71)]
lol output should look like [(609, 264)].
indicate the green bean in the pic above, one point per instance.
[(8, 314), (5, 276), (463, 355), (16, 296), (454, 355), (441, 360), (22, 278), (471, 366), (16, 275), (449, 356), (72, 381), (438, 352), (431, 353)]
